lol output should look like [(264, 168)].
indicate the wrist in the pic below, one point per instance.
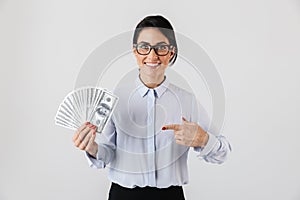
[(93, 151), (202, 137), (93, 155), (205, 140)]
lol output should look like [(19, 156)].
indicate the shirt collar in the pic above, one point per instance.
[(143, 89)]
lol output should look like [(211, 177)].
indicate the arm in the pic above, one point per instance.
[(212, 147), (100, 149), (217, 148)]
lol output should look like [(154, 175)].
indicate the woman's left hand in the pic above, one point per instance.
[(188, 133)]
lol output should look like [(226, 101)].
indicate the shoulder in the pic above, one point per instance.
[(180, 91)]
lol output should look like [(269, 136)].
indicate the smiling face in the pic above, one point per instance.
[(152, 66)]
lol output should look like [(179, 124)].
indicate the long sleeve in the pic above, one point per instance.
[(217, 148), (106, 147), (137, 158)]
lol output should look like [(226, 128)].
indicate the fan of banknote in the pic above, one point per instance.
[(87, 104)]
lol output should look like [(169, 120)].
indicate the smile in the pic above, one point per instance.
[(152, 64)]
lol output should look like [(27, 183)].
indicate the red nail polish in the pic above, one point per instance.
[(86, 123), (163, 128)]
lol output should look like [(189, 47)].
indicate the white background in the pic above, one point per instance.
[(255, 45)]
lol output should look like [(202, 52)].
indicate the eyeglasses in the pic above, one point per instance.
[(160, 50)]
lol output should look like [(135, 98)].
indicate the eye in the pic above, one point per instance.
[(162, 47), (143, 46)]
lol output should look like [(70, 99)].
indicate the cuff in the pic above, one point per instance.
[(94, 163), (212, 140), (100, 153)]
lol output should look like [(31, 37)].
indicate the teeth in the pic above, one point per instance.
[(152, 64)]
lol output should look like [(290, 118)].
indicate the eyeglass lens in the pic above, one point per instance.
[(161, 50)]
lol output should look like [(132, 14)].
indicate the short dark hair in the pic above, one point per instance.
[(163, 25)]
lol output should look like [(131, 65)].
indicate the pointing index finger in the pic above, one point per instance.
[(174, 127)]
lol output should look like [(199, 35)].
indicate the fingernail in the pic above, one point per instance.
[(94, 132), (163, 128), (94, 127), (86, 123)]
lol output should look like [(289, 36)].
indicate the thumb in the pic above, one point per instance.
[(184, 120)]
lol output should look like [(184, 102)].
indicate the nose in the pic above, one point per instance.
[(152, 54)]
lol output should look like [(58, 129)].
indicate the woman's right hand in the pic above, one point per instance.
[(84, 139)]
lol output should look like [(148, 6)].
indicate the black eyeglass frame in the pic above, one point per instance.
[(170, 47)]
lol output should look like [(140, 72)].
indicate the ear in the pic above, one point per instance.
[(136, 55), (172, 53), (135, 52)]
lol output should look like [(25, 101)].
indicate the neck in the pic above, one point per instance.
[(152, 83)]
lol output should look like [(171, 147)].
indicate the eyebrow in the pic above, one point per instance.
[(154, 45)]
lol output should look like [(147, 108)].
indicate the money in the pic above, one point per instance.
[(91, 104)]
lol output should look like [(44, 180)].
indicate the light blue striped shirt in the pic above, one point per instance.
[(136, 150)]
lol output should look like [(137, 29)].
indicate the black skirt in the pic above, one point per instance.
[(118, 192)]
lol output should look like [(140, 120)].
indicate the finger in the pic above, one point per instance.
[(91, 125), (178, 137), (185, 121), (179, 133), (85, 132), (81, 136), (91, 141), (180, 142), (86, 140), (83, 126), (174, 127), (75, 136), (91, 132)]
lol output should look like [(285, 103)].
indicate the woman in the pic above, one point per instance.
[(155, 123)]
